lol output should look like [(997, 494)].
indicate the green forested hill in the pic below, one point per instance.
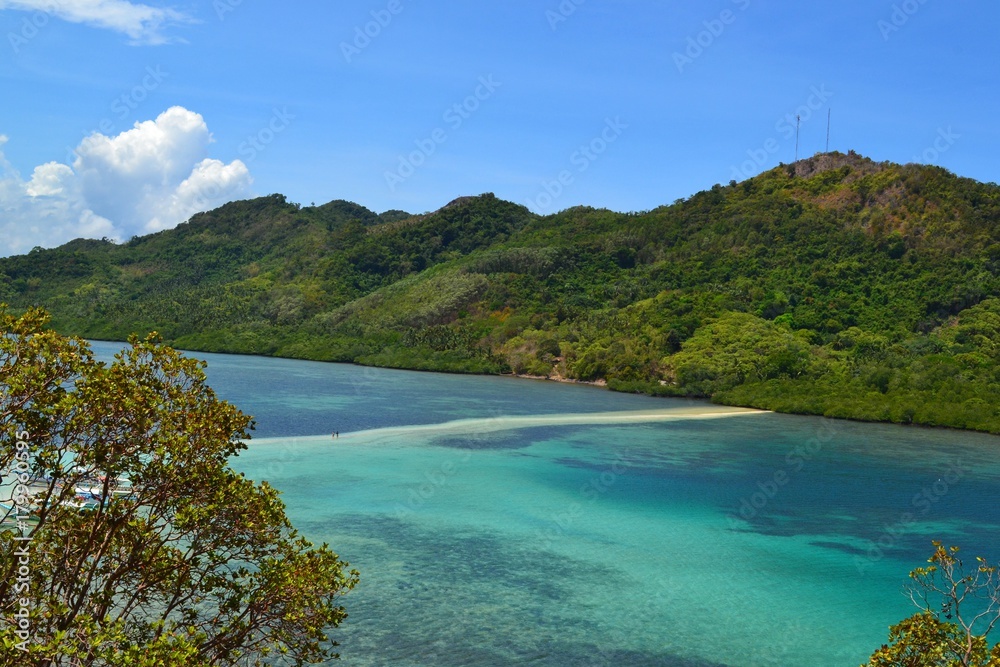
[(834, 286)]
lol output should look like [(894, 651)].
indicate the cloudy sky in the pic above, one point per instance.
[(122, 118)]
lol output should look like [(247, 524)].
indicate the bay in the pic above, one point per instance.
[(500, 521)]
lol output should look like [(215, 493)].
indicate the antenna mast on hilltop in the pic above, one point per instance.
[(798, 123), (829, 112)]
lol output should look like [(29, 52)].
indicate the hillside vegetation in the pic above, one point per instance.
[(835, 286)]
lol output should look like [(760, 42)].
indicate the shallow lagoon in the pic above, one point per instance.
[(523, 533)]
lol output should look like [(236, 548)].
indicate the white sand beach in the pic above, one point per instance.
[(482, 425)]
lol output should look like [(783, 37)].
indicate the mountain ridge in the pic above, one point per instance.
[(836, 285)]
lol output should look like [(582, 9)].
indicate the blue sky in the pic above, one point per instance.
[(121, 118)]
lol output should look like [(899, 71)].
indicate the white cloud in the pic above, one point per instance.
[(147, 179), (49, 180), (140, 22)]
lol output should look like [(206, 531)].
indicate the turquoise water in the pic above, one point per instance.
[(493, 525)]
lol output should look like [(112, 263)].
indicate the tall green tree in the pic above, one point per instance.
[(960, 607), (177, 559)]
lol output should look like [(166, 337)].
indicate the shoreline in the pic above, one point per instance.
[(557, 378), (600, 384)]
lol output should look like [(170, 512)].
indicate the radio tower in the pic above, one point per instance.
[(829, 112), (798, 123)]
